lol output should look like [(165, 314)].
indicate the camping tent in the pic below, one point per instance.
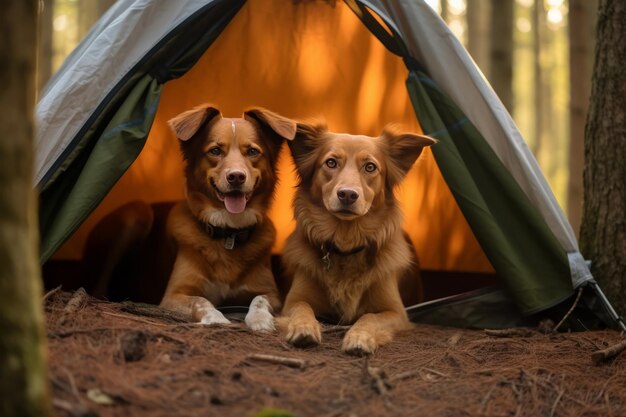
[(476, 202)]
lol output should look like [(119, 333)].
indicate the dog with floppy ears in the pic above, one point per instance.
[(349, 257), (221, 230)]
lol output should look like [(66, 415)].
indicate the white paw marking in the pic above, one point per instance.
[(214, 316), (259, 317)]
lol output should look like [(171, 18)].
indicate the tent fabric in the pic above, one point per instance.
[(355, 84), (114, 46), (96, 114), (91, 167), (455, 72)]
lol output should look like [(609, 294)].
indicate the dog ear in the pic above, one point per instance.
[(187, 124), (307, 141), (282, 126), (403, 149), (276, 127)]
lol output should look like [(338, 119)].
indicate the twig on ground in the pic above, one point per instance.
[(485, 400), (76, 302), (377, 377), (556, 402), (603, 355), (77, 410), (514, 332), (335, 329), (416, 372), (50, 294), (279, 360), (569, 312)]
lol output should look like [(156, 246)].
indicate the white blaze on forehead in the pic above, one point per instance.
[(232, 125)]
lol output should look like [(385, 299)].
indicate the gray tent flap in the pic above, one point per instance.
[(100, 155), (95, 172)]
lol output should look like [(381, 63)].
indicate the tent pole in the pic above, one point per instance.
[(607, 305)]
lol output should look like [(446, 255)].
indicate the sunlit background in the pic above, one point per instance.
[(539, 98)]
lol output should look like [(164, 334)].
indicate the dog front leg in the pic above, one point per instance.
[(199, 308), (300, 326), (373, 330), (259, 317), (298, 323)]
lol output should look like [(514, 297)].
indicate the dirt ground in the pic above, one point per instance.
[(122, 359)]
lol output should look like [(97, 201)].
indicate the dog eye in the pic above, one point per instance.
[(370, 167), (253, 152), (331, 163), (215, 151)]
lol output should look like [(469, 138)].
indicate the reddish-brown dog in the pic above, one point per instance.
[(223, 235), (348, 255)]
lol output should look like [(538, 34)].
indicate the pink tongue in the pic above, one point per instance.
[(235, 203)]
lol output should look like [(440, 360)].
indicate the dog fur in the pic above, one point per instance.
[(230, 177), (348, 255)]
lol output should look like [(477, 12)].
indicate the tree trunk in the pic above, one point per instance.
[(445, 15), (24, 387), (45, 51), (501, 50), (537, 12), (581, 29), (603, 230), (478, 33)]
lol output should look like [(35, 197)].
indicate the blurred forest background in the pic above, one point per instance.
[(536, 54)]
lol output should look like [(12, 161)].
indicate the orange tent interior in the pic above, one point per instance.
[(303, 59)]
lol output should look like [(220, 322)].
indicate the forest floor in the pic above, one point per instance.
[(123, 359)]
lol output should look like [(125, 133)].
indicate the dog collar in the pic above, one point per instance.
[(232, 236), (329, 247)]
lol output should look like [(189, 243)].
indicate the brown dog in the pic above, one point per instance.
[(223, 235), (348, 255)]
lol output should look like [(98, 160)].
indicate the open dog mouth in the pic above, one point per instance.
[(234, 201)]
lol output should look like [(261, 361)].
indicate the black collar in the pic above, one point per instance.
[(232, 236), (329, 247)]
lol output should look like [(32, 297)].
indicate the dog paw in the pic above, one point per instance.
[(260, 321), (214, 317), (304, 334), (359, 343)]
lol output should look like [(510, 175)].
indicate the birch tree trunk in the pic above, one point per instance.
[(23, 375), (603, 230), (581, 30)]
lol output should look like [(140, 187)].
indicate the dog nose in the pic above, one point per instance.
[(347, 195), (236, 178)]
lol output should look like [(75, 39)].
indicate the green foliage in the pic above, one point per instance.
[(273, 412)]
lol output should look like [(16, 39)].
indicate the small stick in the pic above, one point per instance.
[(432, 371), (378, 379), (333, 329), (485, 401), (580, 293), (73, 304), (509, 332), (50, 294), (279, 360), (558, 398), (605, 354)]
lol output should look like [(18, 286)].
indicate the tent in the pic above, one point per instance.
[(477, 202)]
